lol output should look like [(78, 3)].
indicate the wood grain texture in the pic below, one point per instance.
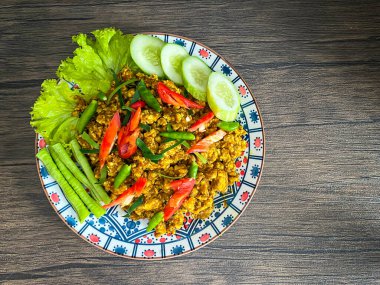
[(315, 69)]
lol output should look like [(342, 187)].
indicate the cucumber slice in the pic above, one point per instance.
[(222, 97), (172, 56), (146, 52), (195, 76)]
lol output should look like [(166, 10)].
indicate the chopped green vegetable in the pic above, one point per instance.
[(193, 170), (155, 220), (89, 140), (51, 114), (169, 128), (228, 126), (168, 140), (178, 135), (172, 146), (136, 97), (103, 174), (86, 116), (120, 95), (146, 152), (70, 194), (134, 206), (145, 127), (148, 97), (126, 108), (95, 62), (92, 205), (67, 161), (170, 177), (96, 189), (124, 172), (88, 151), (119, 87)]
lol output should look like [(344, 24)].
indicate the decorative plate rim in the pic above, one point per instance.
[(214, 237)]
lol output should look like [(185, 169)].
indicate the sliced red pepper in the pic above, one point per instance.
[(126, 142), (127, 196), (127, 146), (135, 120), (188, 103), (137, 104), (201, 123), (164, 93), (109, 139), (203, 144), (170, 97), (182, 189), (182, 183)]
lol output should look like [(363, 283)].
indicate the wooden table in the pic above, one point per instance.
[(315, 69)]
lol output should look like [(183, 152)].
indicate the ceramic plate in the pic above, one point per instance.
[(127, 238)]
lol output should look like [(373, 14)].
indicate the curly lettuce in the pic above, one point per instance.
[(96, 61), (51, 114), (93, 67)]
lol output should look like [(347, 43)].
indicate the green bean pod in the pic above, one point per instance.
[(103, 174), (89, 151), (178, 135), (124, 172), (155, 220), (89, 140), (70, 194), (70, 164), (193, 170), (86, 116), (91, 204), (145, 127), (228, 126), (148, 97), (96, 189)]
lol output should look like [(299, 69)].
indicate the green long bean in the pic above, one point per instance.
[(91, 204), (89, 140), (96, 189), (70, 164), (86, 116), (124, 172), (70, 194), (155, 220), (178, 135), (193, 170), (148, 97)]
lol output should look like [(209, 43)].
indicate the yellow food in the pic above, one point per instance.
[(215, 176)]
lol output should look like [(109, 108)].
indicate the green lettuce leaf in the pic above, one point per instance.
[(51, 114), (96, 61), (86, 69)]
